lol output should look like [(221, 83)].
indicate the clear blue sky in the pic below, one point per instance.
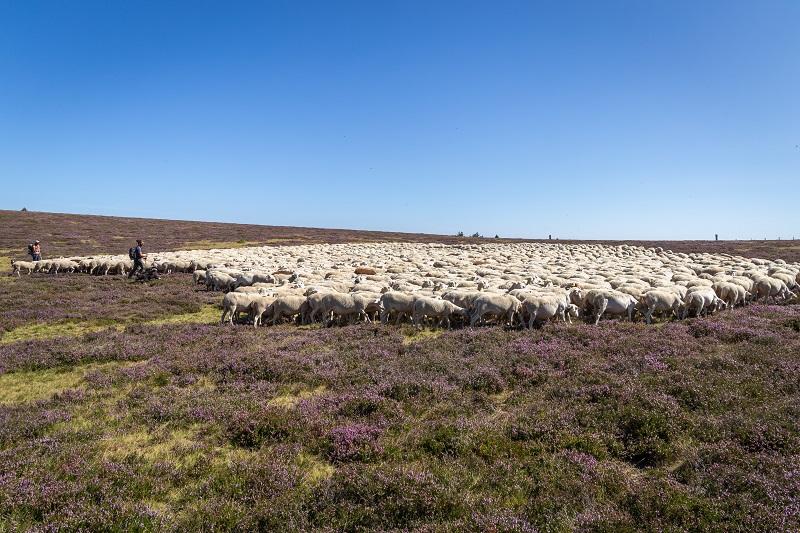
[(636, 119)]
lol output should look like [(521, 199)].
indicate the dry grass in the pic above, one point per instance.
[(209, 314), (294, 394), (412, 335), (164, 445), (315, 469)]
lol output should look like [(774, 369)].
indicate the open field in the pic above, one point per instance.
[(67, 235), (125, 406)]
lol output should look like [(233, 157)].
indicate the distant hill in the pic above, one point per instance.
[(68, 234)]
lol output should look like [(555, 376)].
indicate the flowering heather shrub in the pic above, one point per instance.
[(687, 425), (354, 442), (383, 497)]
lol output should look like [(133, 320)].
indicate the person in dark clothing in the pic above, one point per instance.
[(36, 251), (138, 258)]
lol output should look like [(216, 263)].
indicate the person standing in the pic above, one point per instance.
[(138, 258), (36, 251)]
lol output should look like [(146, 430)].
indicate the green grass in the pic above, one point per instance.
[(49, 330), (22, 387), (208, 314)]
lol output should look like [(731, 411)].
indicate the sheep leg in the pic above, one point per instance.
[(475, 318), (601, 309)]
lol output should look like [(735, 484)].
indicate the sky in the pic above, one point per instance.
[(606, 120)]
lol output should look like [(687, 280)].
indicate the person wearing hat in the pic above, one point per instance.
[(138, 258), (36, 251)]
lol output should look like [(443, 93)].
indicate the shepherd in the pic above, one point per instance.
[(138, 258), (35, 251)]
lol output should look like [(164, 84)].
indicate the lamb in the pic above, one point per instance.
[(199, 276), (499, 305), (219, 281), (17, 266), (787, 278), (344, 305), (234, 303), (285, 306), (770, 288), (731, 293), (544, 308), (262, 277), (251, 290), (259, 305), (116, 267), (314, 306), (65, 265), (601, 301), (743, 282), (462, 298), (655, 301), (704, 300), (572, 311), (435, 308), (243, 280), (42, 266), (87, 265), (396, 302), (699, 282), (695, 301)]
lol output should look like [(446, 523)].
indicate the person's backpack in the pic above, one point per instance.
[(30, 249), (132, 253)]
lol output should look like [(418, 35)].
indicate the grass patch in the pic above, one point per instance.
[(5, 263), (21, 387), (290, 398), (208, 314), (412, 335), (315, 469), (164, 445), (49, 330)]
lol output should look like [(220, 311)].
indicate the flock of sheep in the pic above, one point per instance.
[(509, 284)]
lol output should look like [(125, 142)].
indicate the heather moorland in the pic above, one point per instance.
[(125, 406)]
